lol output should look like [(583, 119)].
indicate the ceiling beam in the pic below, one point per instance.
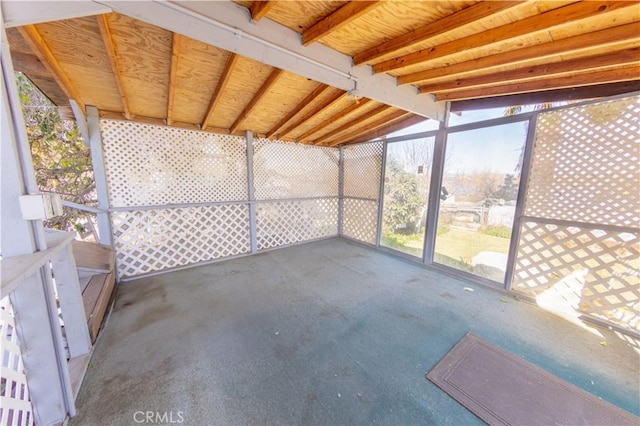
[(542, 22), (222, 84), (625, 73), (321, 88), (260, 8), (349, 125), (548, 96), (107, 40), (228, 25), (546, 71), (19, 13), (334, 118), (389, 128), (175, 52), (609, 36), (264, 89), (39, 47), (448, 23), (371, 126), (338, 18), (313, 112)]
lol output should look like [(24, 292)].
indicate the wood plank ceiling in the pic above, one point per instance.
[(467, 52)]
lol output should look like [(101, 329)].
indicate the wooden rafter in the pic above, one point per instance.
[(449, 23), (548, 96), (260, 8), (264, 89), (43, 53), (320, 89), (356, 122), (317, 109), (356, 105), (222, 84), (370, 126), (175, 52), (542, 22), (625, 73), (394, 126), (547, 71), (337, 19), (609, 36), (107, 40)]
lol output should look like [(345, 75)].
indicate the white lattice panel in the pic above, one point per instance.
[(586, 164), (286, 222), (596, 271), (159, 165), (360, 219), (288, 170), (153, 240), (362, 170), (15, 404)]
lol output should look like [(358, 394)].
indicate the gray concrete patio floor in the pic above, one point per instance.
[(324, 333)]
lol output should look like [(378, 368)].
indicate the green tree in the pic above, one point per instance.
[(403, 202), (61, 160)]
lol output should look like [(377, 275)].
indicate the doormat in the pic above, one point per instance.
[(503, 389)]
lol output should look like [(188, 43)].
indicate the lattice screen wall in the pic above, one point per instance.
[(580, 236), (297, 189), (362, 172), (15, 404), (149, 168)]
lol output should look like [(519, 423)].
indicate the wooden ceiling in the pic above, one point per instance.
[(458, 51)]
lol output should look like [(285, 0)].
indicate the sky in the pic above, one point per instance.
[(495, 149)]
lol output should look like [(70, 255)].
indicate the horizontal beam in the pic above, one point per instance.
[(229, 26), (548, 96), (527, 26), (607, 37), (543, 71), (625, 73), (19, 13)]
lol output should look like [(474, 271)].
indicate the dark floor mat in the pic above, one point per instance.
[(503, 389)]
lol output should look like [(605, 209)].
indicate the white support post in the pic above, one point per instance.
[(251, 193), (81, 120), (71, 304), (341, 192), (95, 143)]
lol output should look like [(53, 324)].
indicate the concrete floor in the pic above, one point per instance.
[(324, 333)]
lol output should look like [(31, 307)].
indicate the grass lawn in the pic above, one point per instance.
[(463, 245), (455, 248)]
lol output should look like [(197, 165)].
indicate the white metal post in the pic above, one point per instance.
[(253, 237), (383, 169), (341, 191), (95, 143)]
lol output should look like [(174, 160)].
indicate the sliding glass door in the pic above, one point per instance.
[(406, 194), (479, 189)]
